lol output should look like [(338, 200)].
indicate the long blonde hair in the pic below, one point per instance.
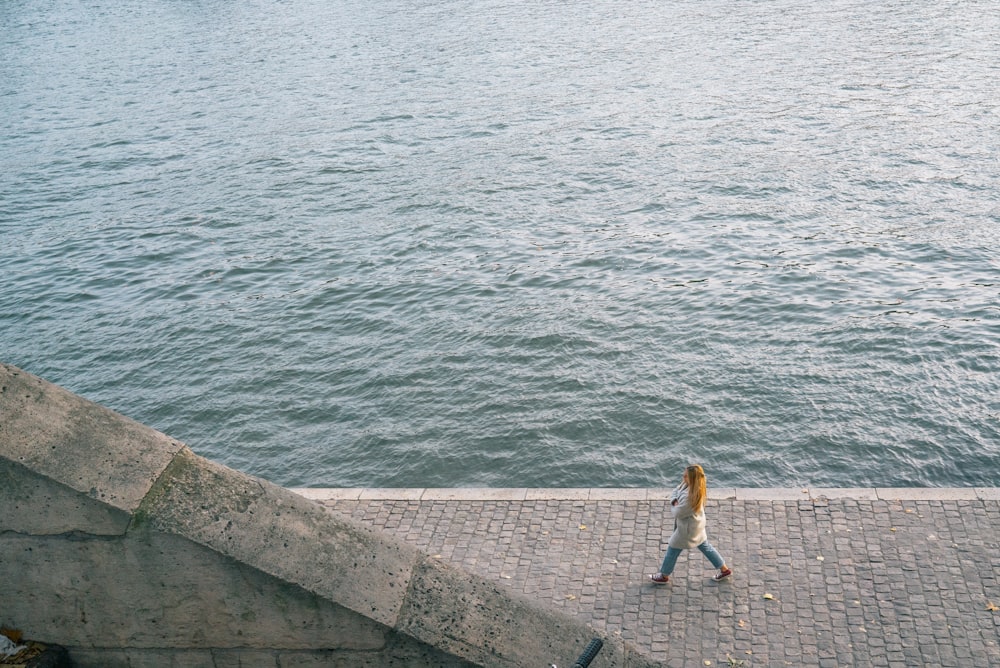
[(696, 486)]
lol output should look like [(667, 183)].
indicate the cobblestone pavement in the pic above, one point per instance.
[(844, 581)]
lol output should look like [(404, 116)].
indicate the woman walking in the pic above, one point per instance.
[(687, 504)]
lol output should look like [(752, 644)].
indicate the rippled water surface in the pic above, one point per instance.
[(513, 243)]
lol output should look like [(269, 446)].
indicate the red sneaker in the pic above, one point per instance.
[(659, 578), (723, 574)]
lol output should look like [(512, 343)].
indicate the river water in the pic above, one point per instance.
[(515, 243)]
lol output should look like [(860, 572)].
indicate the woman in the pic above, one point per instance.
[(687, 503)]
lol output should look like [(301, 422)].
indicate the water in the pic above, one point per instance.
[(506, 243)]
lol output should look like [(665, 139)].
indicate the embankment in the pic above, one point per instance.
[(127, 548)]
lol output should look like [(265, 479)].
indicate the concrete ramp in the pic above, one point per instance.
[(125, 547)]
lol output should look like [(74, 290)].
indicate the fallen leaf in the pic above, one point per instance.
[(707, 662), (820, 558), (742, 624), (570, 597), (892, 529), (991, 607), (768, 597), (583, 527), (15, 635)]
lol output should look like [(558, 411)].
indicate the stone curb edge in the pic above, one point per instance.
[(644, 494)]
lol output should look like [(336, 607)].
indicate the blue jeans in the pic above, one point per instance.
[(706, 548)]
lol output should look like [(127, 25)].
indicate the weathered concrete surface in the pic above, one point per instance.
[(77, 443), (281, 534), (479, 620), (130, 550), (189, 598), (31, 504)]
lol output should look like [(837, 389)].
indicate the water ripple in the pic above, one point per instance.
[(494, 243)]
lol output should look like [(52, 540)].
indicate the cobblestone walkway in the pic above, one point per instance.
[(856, 578)]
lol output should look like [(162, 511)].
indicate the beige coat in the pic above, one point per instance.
[(689, 526)]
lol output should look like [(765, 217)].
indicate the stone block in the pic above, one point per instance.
[(396, 493), (78, 443), (34, 504), (925, 493), (858, 493), (474, 494), (164, 591), (322, 494), (282, 534), (173, 658), (557, 493), (771, 494), (618, 494), (484, 624)]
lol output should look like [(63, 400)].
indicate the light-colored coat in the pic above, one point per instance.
[(689, 526)]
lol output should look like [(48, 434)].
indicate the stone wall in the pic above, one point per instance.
[(127, 548)]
